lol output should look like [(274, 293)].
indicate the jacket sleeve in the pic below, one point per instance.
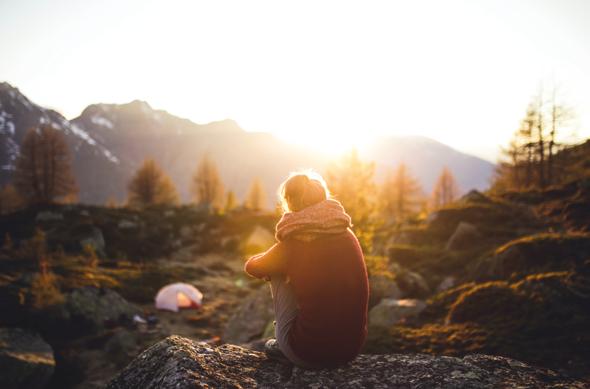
[(271, 262)]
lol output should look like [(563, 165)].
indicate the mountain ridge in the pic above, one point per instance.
[(110, 141)]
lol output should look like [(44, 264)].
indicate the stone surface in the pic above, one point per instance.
[(46, 216), (181, 363), (26, 361), (410, 283), (380, 287), (447, 283), (391, 311), (465, 236), (89, 235), (96, 308), (251, 318)]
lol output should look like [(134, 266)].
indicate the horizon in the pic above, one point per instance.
[(332, 83)]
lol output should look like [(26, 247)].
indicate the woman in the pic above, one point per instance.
[(318, 278)]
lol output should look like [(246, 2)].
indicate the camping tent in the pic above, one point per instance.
[(172, 297)]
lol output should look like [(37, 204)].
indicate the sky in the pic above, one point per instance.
[(328, 74)]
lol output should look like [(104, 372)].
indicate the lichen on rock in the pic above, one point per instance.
[(180, 363)]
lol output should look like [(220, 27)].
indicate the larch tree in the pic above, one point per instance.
[(231, 201), (151, 186), (10, 200), (207, 187), (43, 172), (351, 181), (256, 199), (529, 158), (401, 195), (445, 190)]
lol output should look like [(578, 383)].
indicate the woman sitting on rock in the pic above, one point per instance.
[(318, 278)]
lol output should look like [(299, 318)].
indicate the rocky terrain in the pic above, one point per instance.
[(492, 290), (181, 363)]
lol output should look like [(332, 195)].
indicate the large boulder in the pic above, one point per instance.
[(465, 236), (92, 309), (391, 311), (251, 318), (411, 284), (382, 286), (26, 360), (537, 253), (180, 363)]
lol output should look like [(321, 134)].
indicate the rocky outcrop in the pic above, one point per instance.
[(382, 286), (391, 311), (251, 318), (26, 361), (465, 236), (179, 363)]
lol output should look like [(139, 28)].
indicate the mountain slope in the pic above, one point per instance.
[(110, 141)]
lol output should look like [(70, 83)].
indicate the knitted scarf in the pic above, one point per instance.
[(324, 218)]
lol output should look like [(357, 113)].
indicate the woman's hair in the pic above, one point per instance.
[(301, 190)]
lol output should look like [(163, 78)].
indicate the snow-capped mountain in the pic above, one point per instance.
[(18, 114), (109, 142)]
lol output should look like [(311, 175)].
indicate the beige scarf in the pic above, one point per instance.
[(324, 218)]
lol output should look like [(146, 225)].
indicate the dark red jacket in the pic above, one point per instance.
[(329, 279)]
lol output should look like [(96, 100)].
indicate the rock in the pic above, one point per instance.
[(26, 360), (411, 284), (539, 253), (181, 363), (447, 283), (47, 216), (93, 309), (89, 235), (474, 196), (127, 225), (380, 287), (465, 236), (391, 311), (121, 346), (250, 319), (186, 232)]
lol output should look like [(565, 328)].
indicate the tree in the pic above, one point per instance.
[(43, 169), (530, 154), (231, 201), (256, 199), (352, 183), (9, 199), (446, 189), (400, 195), (151, 186), (207, 187)]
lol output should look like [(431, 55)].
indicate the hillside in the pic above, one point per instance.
[(110, 141)]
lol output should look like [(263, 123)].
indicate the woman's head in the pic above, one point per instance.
[(301, 190)]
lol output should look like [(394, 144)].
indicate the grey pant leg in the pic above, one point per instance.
[(285, 307)]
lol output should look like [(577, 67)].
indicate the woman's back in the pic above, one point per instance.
[(329, 279)]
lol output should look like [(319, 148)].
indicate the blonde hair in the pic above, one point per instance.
[(302, 189)]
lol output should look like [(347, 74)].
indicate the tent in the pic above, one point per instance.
[(172, 297)]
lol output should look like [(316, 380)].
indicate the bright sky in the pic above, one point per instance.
[(336, 72)]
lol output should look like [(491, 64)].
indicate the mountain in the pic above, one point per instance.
[(110, 141), (426, 158)]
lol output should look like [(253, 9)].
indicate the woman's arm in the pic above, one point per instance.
[(268, 263)]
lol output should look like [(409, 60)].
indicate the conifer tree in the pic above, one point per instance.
[(351, 181), (151, 186), (231, 201), (256, 199), (401, 195), (43, 168), (446, 189), (207, 187)]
